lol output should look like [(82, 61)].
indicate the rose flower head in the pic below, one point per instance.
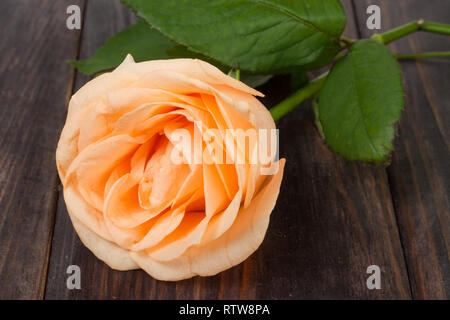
[(170, 166)]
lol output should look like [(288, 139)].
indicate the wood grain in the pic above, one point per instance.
[(420, 171), (34, 88), (333, 219)]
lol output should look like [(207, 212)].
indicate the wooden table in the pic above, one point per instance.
[(333, 218)]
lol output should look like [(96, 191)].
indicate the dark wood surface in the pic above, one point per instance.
[(35, 85), (333, 218)]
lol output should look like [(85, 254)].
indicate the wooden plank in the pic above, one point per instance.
[(333, 219), (420, 169), (103, 18), (35, 85)]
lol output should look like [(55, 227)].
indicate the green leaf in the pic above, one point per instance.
[(143, 42), (325, 57), (254, 80), (254, 35), (146, 43), (299, 78), (180, 51), (360, 102)]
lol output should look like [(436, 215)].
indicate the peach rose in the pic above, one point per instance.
[(135, 207)]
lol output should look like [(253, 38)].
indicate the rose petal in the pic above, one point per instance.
[(110, 253), (89, 216), (187, 234), (122, 204), (194, 68), (164, 225), (91, 169)]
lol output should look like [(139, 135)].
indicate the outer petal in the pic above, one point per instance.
[(113, 255), (233, 247), (193, 68), (84, 212)]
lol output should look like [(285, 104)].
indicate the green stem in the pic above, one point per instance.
[(290, 103), (235, 73), (436, 27), (347, 40), (238, 74), (406, 29), (445, 54)]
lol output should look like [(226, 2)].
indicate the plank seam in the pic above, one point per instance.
[(411, 291), (57, 182), (355, 17)]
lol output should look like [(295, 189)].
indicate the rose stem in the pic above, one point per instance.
[(444, 54), (290, 103), (406, 29)]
